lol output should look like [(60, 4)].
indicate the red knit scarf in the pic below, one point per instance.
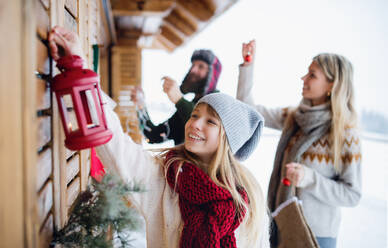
[(207, 210)]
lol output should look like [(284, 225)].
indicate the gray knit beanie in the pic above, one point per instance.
[(243, 125)]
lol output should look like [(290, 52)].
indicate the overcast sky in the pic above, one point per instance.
[(288, 34)]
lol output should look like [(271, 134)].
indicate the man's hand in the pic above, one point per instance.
[(137, 96), (63, 42), (170, 87)]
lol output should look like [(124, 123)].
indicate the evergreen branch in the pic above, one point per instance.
[(99, 211)]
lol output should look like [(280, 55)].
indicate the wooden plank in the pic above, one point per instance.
[(69, 153), (46, 232), (44, 168), (72, 7), (142, 8), (93, 22), (70, 22), (104, 72), (162, 43), (84, 165), (45, 3), (45, 202), (72, 192), (59, 169), (108, 23), (42, 58), (72, 168), (168, 32), (44, 131), (28, 51), (181, 22), (42, 21), (12, 232), (59, 160), (203, 10), (43, 96)]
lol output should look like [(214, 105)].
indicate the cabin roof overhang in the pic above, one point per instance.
[(163, 24)]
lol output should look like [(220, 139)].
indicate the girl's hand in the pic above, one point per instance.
[(295, 173), (63, 42), (248, 52)]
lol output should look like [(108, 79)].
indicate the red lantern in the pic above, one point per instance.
[(79, 102)]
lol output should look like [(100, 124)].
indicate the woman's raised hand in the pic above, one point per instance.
[(248, 52), (63, 42)]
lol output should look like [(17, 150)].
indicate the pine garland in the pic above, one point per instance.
[(100, 211)]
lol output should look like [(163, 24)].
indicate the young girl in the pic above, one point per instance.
[(319, 149), (197, 194)]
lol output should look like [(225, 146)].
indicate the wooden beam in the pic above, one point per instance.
[(142, 8), (201, 9), (28, 54), (59, 159), (181, 22), (134, 34), (127, 42), (129, 33), (108, 20), (170, 34), (18, 222), (162, 43), (118, 13), (42, 21)]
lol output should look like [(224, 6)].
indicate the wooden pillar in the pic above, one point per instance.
[(18, 226), (126, 73)]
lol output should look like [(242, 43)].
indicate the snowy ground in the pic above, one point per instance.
[(362, 226)]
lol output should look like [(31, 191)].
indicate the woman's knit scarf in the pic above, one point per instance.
[(314, 122), (207, 210)]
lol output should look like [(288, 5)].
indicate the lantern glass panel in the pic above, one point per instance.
[(92, 116), (70, 116)]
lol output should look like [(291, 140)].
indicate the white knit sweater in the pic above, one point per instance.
[(158, 205)]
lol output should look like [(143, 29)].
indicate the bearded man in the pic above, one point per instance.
[(201, 80)]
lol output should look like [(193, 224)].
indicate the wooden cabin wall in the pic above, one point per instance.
[(39, 177), (62, 173)]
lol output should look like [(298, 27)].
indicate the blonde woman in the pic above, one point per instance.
[(197, 194), (319, 149)]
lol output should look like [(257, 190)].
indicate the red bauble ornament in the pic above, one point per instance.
[(286, 182), (248, 58), (80, 106)]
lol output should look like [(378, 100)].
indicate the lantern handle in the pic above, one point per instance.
[(70, 62)]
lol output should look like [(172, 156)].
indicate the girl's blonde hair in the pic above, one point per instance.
[(339, 71), (226, 172)]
